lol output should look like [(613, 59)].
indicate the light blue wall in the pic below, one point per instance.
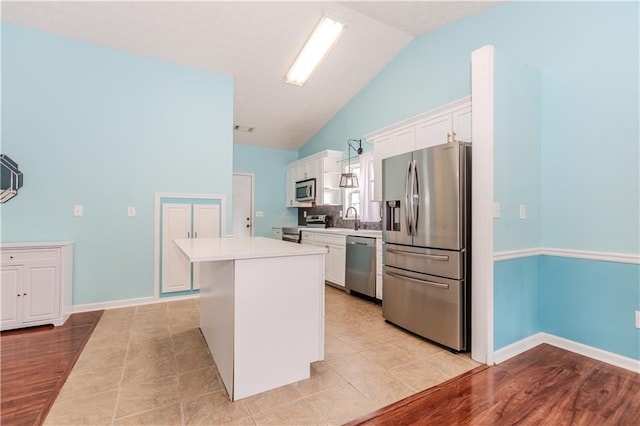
[(589, 113), (516, 300), (269, 169), (516, 154), (585, 168), (591, 302), (94, 126)]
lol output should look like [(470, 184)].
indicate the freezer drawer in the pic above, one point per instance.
[(429, 306), (443, 263)]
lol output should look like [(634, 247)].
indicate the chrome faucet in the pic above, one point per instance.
[(356, 224)]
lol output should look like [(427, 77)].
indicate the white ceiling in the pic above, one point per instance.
[(255, 43)]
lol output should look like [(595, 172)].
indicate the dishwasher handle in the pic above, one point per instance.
[(361, 241)]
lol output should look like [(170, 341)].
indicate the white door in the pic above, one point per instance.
[(433, 132), (242, 205), (41, 292), (11, 293), (461, 123), (176, 269), (206, 224)]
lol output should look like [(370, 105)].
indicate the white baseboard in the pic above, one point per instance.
[(534, 340), (126, 303), (595, 353), (518, 347)]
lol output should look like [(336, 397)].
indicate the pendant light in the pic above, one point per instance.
[(350, 180)]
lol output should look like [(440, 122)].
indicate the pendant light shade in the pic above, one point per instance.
[(349, 179)]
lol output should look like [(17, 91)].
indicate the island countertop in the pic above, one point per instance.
[(234, 248)]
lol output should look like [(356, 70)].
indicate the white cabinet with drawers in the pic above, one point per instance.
[(35, 284)]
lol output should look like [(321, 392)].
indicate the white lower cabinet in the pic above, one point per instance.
[(185, 220), (36, 284), (334, 262), (276, 233)]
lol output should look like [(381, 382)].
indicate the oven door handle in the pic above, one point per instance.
[(440, 257), (419, 281)]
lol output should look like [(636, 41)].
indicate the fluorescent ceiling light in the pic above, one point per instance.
[(324, 37)]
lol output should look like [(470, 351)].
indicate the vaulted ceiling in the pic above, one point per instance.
[(255, 43)]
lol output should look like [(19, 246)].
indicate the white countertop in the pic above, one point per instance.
[(346, 231), (38, 244), (234, 248)]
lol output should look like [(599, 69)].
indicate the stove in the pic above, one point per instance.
[(294, 234), (291, 234), (317, 221)]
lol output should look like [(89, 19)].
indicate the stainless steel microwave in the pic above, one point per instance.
[(306, 190)]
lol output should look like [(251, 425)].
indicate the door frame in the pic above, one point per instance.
[(157, 231), (252, 201)]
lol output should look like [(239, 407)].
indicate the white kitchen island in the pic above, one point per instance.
[(261, 309)]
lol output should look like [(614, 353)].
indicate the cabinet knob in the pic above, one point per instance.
[(24, 294), (248, 226), (18, 294), (10, 257)]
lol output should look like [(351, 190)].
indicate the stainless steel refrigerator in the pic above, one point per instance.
[(427, 234)]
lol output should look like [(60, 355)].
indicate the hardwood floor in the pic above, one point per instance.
[(35, 364), (545, 385)]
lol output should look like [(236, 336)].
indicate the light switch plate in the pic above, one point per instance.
[(496, 210), (523, 211), (259, 213), (78, 210), (637, 319), (131, 211)]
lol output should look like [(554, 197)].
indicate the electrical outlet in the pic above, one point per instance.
[(637, 319), (78, 210), (304, 213), (259, 213), (284, 213), (523, 211), (496, 210), (131, 211)]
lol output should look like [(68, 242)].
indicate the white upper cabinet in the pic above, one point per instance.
[(434, 131), (434, 127), (324, 167)]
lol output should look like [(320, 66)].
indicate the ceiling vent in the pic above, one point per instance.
[(241, 128)]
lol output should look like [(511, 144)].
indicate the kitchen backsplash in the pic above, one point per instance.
[(335, 220)]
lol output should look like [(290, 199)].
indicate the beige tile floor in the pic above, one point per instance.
[(150, 365)]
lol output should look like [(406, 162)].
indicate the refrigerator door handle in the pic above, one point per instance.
[(415, 198), (407, 197), (422, 255), (419, 281)]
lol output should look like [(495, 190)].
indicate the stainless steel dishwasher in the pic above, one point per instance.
[(360, 276)]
